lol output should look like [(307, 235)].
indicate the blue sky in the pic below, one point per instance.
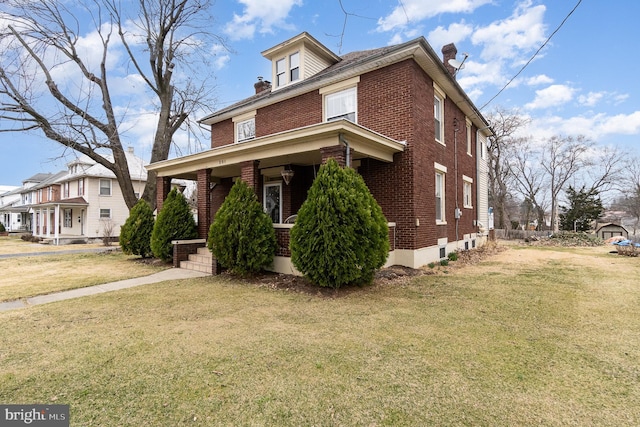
[(584, 81)]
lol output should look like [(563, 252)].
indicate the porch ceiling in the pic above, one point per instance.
[(297, 146)]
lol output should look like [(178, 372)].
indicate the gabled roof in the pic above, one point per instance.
[(37, 178), (90, 168), (52, 179), (357, 63)]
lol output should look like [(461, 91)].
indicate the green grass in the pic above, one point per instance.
[(527, 337)]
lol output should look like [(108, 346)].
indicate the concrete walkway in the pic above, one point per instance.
[(162, 276)]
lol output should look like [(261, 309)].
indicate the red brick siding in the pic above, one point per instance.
[(303, 110), (222, 134)]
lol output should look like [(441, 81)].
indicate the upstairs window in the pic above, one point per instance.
[(469, 139), (246, 129), (341, 105), (81, 187), (281, 72), (294, 67), (437, 116), (467, 192), (105, 187)]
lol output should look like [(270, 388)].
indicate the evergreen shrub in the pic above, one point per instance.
[(174, 222), (340, 235), (242, 237), (135, 234)]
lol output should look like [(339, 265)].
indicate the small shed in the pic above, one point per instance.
[(608, 230)]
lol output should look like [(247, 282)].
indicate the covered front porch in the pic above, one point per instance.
[(60, 222), (279, 167)]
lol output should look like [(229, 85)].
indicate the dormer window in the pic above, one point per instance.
[(294, 67), (281, 71)]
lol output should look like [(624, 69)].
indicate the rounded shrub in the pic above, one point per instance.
[(135, 234), (2, 229), (340, 235), (174, 222), (242, 237)]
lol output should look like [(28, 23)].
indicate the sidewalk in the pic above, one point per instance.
[(162, 276)]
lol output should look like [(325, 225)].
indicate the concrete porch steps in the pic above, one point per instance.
[(201, 261)]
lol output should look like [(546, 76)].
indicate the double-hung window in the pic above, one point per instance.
[(467, 189), (246, 129), (294, 67), (437, 118), (341, 105), (441, 172), (469, 138), (105, 187), (105, 213), (281, 72)]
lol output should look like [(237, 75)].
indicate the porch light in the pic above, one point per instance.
[(287, 174)]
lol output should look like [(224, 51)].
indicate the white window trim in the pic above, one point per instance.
[(469, 139), (439, 93), (339, 87), (104, 217), (467, 181), (240, 119), (264, 197), (442, 170), (290, 68), (100, 187), (284, 71)]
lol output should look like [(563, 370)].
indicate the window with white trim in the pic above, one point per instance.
[(467, 192), (66, 190), (469, 138), (438, 118), (105, 187), (273, 201), (281, 72), (105, 213), (81, 187), (294, 67), (68, 223), (341, 105), (439, 196), (246, 129)]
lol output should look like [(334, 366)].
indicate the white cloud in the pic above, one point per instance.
[(455, 33), (591, 99), (551, 96), (594, 126), (260, 16), (412, 11), (221, 56), (540, 79), (523, 31)]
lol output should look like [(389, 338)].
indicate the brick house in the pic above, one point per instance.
[(396, 114)]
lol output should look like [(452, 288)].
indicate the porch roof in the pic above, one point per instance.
[(73, 202), (299, 146)]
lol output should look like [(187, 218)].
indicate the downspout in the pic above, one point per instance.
[(347, 159)]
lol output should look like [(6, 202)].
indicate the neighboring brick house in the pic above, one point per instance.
[(83, 203), (395, 114)]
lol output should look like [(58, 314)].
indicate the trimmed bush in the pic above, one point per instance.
[(135, 234), (340, 235), (2, 229), (242, 237), (174, 222)]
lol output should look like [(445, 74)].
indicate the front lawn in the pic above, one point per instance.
[(528, 336)]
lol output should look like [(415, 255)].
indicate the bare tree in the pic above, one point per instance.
[(49, 84), (505, 124), (562, 158), (529, 179)]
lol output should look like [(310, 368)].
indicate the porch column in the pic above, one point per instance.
[(251, 174), (163, 186), (204, 202), (56, 220), (48, 219), (338, 152)]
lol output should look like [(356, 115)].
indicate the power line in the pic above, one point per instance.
[(534, 55)]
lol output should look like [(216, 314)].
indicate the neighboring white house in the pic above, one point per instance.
[(8, 197), (83, 203)]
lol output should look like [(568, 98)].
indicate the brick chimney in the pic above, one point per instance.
[(261, 85), (449, 51)]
